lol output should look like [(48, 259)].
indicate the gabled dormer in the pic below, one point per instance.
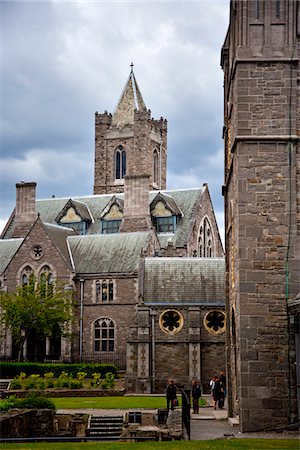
[(111, 216), (165, 213), (75, 215)]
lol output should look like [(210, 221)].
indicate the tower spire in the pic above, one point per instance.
[(131, 99)]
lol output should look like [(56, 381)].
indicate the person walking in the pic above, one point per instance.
[(196, 394), (171, 395)]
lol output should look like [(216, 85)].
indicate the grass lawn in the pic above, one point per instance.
[(121, 402), (239, 444)]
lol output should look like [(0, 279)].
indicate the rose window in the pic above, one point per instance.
[(171, 321), (215, 322)]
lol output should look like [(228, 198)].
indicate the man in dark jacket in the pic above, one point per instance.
[(171, 394), (196, 394)]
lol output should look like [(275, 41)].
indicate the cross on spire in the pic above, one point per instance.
[(131, 65)]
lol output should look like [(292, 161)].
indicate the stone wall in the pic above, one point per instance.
[(27, 424), (261, 207)]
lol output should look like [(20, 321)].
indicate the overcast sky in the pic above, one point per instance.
[(62, 61)]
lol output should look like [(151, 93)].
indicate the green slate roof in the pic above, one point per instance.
[(59, 235), (107, 253), (8, 248), (184, 280), (185, 199)]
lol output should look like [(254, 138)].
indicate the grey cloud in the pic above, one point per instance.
[(65, 60)]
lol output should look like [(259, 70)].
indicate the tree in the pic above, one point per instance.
[(36, 308)]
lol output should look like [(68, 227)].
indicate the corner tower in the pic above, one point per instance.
[(260, 59), (129, 142)]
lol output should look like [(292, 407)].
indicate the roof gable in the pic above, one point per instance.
[(74, 211)]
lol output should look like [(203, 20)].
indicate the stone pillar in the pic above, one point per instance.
[(194, 344)]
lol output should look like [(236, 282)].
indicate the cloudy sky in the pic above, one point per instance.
[(63, 60)]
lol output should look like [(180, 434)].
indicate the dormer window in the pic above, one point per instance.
[(75, 215), (120, 163), (165, 213), (165, 224), (111, 216), (110, 226)]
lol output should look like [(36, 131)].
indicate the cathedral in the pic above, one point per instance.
[(153, 291), (146, 264)]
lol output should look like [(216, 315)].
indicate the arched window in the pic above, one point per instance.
[(46, 279), (26, 276), (155, 167), (120, 163), (205, 240), (104, 335)]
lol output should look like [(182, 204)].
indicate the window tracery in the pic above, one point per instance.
[(205, 240), (26, 275), (104, 291)]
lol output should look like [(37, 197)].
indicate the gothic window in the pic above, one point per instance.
[(104, 291), (205, 240), (277, 9), (215, 322), (104, 335), (46, 276), (155, 167), (120, 163), (171, 321), (26, 276), (257, 9)]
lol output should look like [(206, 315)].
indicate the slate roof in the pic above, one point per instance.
[(107, 253), (8, 248), (186, 200), (184, 281), (59, 235)]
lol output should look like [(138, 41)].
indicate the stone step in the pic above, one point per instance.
[(105, 426)]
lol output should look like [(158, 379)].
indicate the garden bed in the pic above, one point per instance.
[(22, 393)]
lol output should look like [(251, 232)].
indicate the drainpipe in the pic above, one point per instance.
[(81, 318), (153, 315)]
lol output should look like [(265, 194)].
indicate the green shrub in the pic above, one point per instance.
[(109, 381), (11, 370), (15, 384), (96, 380), (8, 403), (34, 400)]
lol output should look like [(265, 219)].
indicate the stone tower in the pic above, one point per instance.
[(260, 59), (129, 142)]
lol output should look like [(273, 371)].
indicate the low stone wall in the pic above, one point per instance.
[(151, 428), (66, 392), (27, 423)]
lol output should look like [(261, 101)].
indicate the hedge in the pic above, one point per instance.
[(11, 370)]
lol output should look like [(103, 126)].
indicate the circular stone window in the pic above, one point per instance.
[(171, 321), (37, 252), (215, 322)]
